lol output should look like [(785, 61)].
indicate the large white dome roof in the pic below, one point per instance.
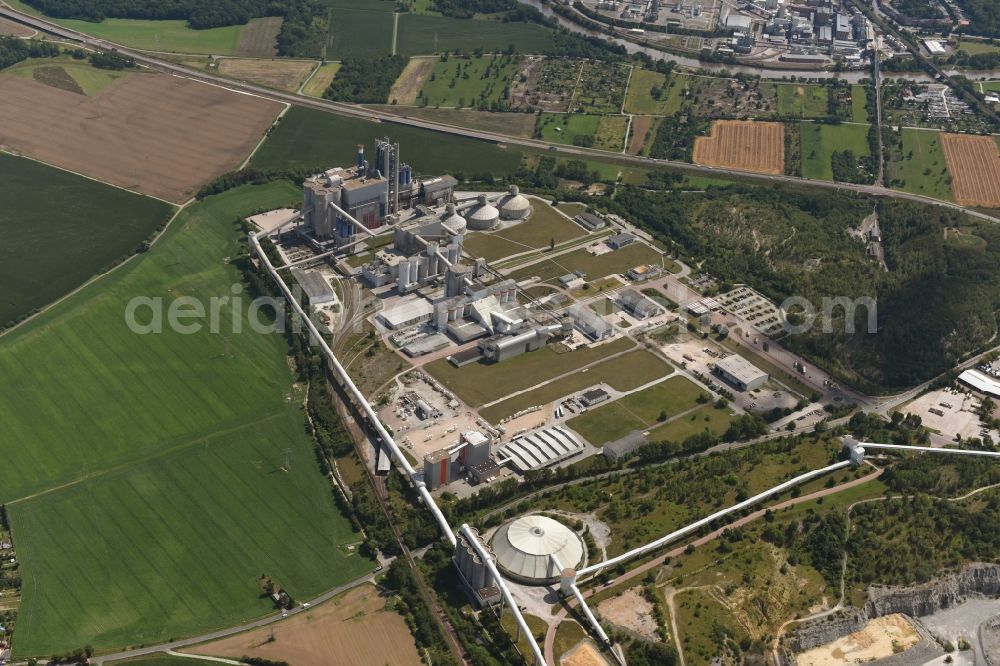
[(514, 204), (524, 547)]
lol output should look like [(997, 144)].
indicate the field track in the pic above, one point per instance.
[(974, 164), (743, 144), (159, 135)]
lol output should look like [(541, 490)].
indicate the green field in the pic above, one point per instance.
[(707, 417), (819, 141), (801, 100), (359, 28), (624, 373), (161, 35), (989, 86), (859, 104), (611, 133), (310, 139), (922, 169), (142, 472), (543, 227), (618, 261), (639, 98), (469, 82), (973, 46), (638, 411), (481, 383), (54, 243), (65, 73), (421, 34), (567, 128)]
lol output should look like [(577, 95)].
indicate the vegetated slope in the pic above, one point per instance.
[(54, 241), (985, 15), (310, 139), (937, 302), (142, 473)]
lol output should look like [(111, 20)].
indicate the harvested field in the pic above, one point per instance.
[(743, 144), (322, 79), (640, 127), (880, 638), (168, 149), (630, 610), (260, 37), (281, 74), (13, 29), (409, 83), (974, 163), (584, 654), (356, 628)]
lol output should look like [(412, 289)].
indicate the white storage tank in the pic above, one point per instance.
[(483, 216), (514, 205)]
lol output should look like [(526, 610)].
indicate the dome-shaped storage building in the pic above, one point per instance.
[(483, 215), (524, 547), (451, 219), (514, 205)]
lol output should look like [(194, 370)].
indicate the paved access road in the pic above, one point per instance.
[(372, 114)]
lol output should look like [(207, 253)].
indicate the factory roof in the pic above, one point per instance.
[(740, 369), (633, 300), (738, 21), (439, 183), (406, 311), (590, 221), (524, 548), (981, 382), (541, 448), (315, 286)]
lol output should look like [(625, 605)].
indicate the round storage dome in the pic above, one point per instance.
[(451, 219), (524, 546), (483, 215), (514, 205)]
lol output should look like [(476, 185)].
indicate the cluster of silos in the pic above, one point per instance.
[(473, 569), (514, 205), (455, 279), (452, 220), (419, 269), (483, 215), (317, 193)]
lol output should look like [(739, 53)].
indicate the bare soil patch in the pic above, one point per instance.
[(14, 29), (630, 610), (882, 637), (160, 135), (356, 628), (974, 164), (285, 75), (57, 77), (409, 83), (260, 37), (640, 127), (584, 654), (743, 144)]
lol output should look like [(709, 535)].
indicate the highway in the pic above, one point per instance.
[(373, 114)]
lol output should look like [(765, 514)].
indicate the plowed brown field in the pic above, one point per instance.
[(354, 629), (974, 164), (156, 134), (743, 144)]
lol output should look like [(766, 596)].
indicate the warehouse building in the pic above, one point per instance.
[(637, 305), (618, 241), (540, 448), (590, 323), (535, 549), (740, 372), (315, 286), (590, 222), (594, 396), (981, 382), (406, 313), (626, 446)]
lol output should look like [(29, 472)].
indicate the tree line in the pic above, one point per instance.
[(14, 50)]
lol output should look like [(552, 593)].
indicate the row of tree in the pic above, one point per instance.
[(14, 50)]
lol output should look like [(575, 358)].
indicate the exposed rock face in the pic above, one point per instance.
[(974, 580)]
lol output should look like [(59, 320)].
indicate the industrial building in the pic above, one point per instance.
[(618, 241), (981, 382), (406, 313), (474, 572), (637, 305), (590, 323), (372, 195), (535, 549), (540, 448), (443, 466), (590, 222), (594, 396), (317, 289), (626, 446), (740, 372)]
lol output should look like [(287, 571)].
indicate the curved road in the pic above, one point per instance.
[(373, 114)]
